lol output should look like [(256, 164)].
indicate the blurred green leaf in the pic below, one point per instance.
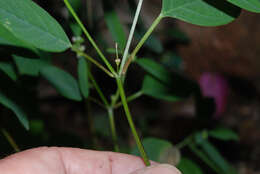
[(164, 84), (223, 134), (201, 12), (154, 148), (250, 5), (217, 158), (62, 81), (31, 24), (187, 166), (29, 66), (75, 28), (83, 76), (16, 109), (9, 70), (203, 156), (156, 89), (154, 69), (115, 27)]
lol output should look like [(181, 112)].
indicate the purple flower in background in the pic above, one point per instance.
[(215, 86)]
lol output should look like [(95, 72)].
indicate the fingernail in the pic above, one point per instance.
[(161, 169)]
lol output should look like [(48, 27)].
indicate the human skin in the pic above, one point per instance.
[(54, 160)]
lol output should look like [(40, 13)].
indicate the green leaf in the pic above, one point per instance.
[(75, 28), (83, 76), (28, 66), (16, 109), (223, 134), (7, 38), (31, 24), (62, 81), (201, 12), (155, 69), (203, 156), (165, 85), (156, 89), (216, 157), (154, 148), (250, 5), (187, 166), (115, 28), (9, 70)]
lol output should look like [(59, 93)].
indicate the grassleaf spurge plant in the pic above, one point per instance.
[(24, 24)]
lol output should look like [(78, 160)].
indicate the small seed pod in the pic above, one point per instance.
[(171, 155)]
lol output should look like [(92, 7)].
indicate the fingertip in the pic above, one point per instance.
[(159, 168)]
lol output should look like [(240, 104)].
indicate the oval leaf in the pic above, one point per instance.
[(63, 82), (201, 12), (83, 76), (223, 134), (31, 24), (115, 27), (155, 69), (157, 89), (250, 5), (16, 109), (187, 166)]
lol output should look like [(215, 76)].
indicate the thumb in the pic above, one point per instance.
[(158, 168)]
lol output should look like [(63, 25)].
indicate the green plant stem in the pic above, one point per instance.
[(185, 142), (130, 98), (92, 60), (130, 38), (131, 123), (109, 110), (141, 43), (10, 140), (109, 66), (114, 98), (100, 93), (113, 128)]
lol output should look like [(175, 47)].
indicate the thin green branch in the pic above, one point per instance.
[(10, 140), (130, 98), (92, 60), (185, 142), (100, 93), (109, 66), (113, 128), (131, 123), (130, 38), (141, 43), (97, 102)]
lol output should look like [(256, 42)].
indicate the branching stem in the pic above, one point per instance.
[(131, 123), (89, 37)]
